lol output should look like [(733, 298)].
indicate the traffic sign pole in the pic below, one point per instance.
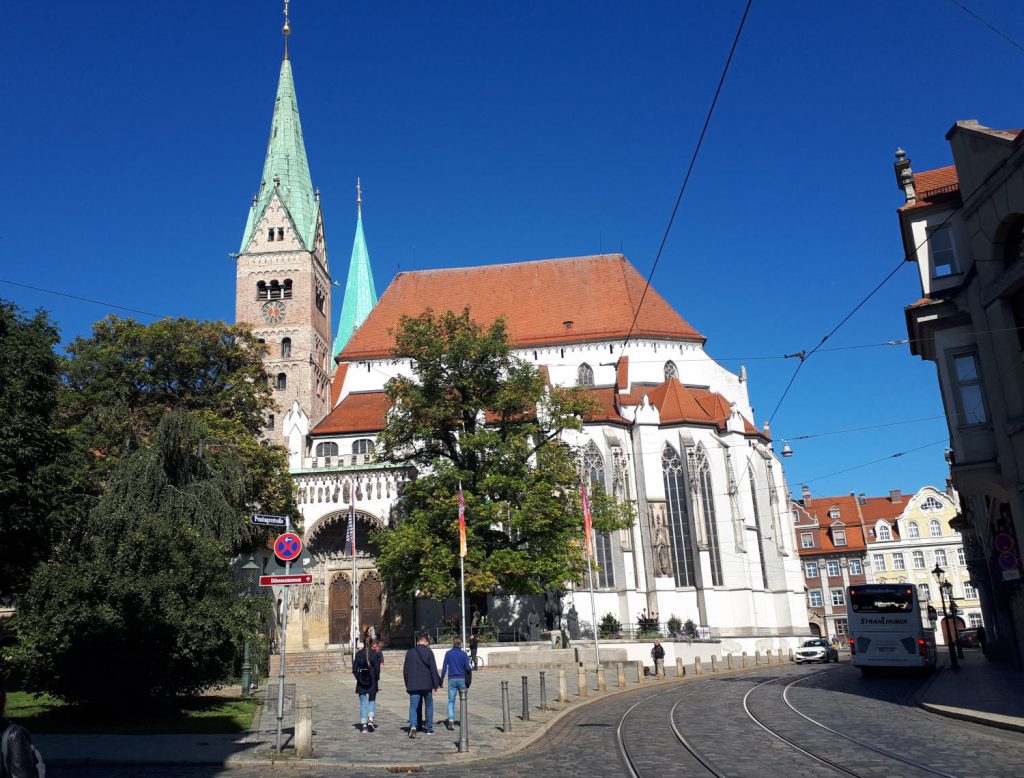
[(284, 643)]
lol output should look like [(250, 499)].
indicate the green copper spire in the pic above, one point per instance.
[(360, 294), (286, 171)]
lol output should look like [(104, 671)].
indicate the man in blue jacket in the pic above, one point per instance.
[(421, 681), (455, 665)]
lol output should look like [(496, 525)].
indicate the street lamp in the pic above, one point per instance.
[(939, 574), (954, 610), (249, 570)]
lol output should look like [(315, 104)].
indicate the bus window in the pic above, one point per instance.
[(875, 600)]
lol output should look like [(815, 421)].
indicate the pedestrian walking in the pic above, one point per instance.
[(982, 640), (421, 681), (18, 757), (455, 665), (366, 669), (474, 644), (379, 652)]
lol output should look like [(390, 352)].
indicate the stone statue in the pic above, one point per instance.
[(662, 556), (533, 625), (572, 622), (553, 609)]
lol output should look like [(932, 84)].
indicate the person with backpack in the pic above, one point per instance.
[(18, 757), (366, 669), (421, 681), (456, 666)]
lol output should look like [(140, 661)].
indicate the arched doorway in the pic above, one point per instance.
[(370, 608), (340, 609)]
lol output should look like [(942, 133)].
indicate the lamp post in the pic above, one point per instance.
[(939, 574), (249, 569), (954, 610)]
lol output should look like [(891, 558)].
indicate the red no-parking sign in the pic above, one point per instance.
[(288, 546)]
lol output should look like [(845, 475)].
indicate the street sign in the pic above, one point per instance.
[(285, 580), (265, 520), (288, 546), (1004, 542), (1008, 560)]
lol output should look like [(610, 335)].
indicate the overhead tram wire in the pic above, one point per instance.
[(85, 299), (988, 24), (689, 171)]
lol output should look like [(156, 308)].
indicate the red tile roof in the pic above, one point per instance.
[(873, 509), (358, 412), (608, 410), (546, 302), (935, 186), (622, 373), (337, 381)]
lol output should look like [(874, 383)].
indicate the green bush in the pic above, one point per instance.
[(610, 626), (675, 625), (690, 629)]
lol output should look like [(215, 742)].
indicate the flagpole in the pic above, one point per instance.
[(588, 548), (593, 611), (354, 630), (462, 563), (462, 575)]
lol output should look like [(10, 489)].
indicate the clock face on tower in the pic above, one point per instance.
[(273, 312)]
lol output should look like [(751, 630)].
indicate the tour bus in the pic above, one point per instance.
[(889, 627)]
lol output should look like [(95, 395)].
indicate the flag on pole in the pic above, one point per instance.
[(587, 524), (350, 539), (462, 522)]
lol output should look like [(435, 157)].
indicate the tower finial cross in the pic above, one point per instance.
[(359, 197), (287, 29)]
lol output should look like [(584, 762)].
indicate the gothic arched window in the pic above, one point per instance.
[(286, 347), (678, 518), (327, 449), (671, 371), (701, 474), (585, 375), (282, 382), (593, 473)]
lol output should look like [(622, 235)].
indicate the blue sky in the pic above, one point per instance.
[(486, 132)]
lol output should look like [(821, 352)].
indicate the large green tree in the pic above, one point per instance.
[(138, 602), (31, 447), (475, 414)]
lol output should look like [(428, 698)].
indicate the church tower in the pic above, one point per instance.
[(360, 293), (282, 281)]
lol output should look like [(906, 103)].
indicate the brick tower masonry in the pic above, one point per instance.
[(282, 283)]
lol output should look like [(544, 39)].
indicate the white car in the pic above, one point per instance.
[(817, 650)]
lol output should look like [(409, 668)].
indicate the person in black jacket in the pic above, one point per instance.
[(20, 760), (366, 669), (421, 681), (658, 652)]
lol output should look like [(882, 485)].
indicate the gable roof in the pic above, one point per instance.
[(547, 302), (358, 412)]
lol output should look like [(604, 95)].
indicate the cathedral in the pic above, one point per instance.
[(674, 436)]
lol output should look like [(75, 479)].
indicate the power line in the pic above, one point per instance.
[(84, 299), (898, 454), (988, 24), (861, 429), (689, 170)]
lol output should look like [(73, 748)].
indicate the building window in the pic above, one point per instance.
[(282, 382), (970, 593), (832, 568), (842, 627), (918, 560), (280, 233), (270, 422), (814, 598), (913, 530), (970, 399), (361, 450), (286, 347), (585, 375), (974, 619), (879, 561), (261, 290), (839, 537), (705, 494), (796, 516), (270, 234), (806, 540), (924, 593), (961, 557), (940, 246), (838, 596), (679, 520), (935, 528), (833, 512), (671, 371), (931, 504), (811, 569), (327, 449), (287, 289), (883, 532), (898, 562), (593, 472), (940, 558), (855, 567)]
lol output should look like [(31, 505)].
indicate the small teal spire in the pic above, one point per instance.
[(360, 293)]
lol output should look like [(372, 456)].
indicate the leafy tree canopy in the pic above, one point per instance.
[(474, 413), (139, 603), (30, 446)]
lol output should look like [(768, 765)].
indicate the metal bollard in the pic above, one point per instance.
[(543, 692), (639, 671), (621, 672), (304, 726), (698, 668), (526, 698), (714, 663), (463, 721), (506, 713), (247, 669), (744, 659), (680, 670), (581, 680), (563, 686), (728, 661), (602, 684)]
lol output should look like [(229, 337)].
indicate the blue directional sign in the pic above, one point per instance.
[(265, 520)]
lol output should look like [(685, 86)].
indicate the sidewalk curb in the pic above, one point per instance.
[(998, 722)]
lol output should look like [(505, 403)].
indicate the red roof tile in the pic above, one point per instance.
[(337, 381), (935, 186), (546, 302), (359, 412), (608, 410)]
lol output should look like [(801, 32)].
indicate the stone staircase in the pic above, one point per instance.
[(309, 662)]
